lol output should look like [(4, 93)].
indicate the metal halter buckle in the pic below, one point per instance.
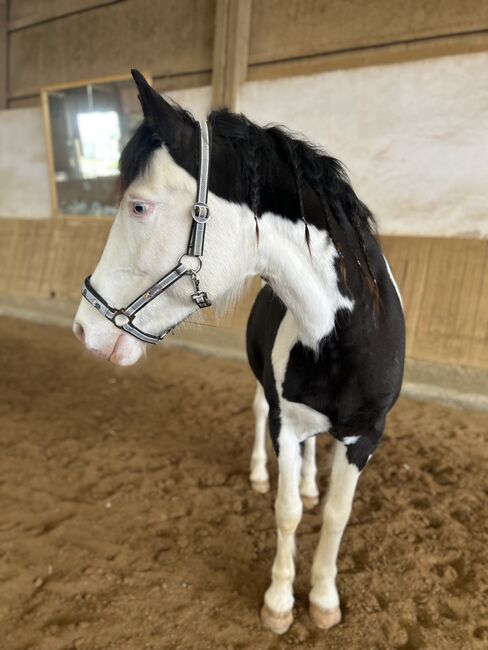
[(200, 212)]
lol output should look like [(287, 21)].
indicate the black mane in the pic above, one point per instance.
[(272, 170), (137, 153)]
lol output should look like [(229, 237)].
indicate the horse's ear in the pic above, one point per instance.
[(167, 122)]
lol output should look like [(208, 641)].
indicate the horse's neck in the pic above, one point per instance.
[(306, 281)]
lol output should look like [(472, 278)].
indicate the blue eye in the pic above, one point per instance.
[(139, 209)]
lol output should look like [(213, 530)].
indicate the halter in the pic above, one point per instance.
[(124, 318)]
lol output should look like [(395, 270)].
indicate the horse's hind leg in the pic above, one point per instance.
[(324, 599), (259, 474), (308, 484)]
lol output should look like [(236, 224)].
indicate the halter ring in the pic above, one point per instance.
[(195, 257), (121, 318)]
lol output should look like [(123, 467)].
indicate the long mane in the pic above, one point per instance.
[(347, 220), (344, 215)]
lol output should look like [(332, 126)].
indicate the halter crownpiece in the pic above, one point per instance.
[(124, 318)]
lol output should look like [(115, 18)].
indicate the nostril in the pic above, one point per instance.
[(79, 332)]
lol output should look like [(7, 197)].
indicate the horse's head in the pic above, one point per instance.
[(159, 171)]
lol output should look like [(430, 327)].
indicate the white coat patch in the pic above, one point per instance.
[(393, 281), (350, 440), (302, 419)]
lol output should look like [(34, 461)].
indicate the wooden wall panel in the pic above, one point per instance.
[(25, 102), (444, 284), (26, 263), (23, 13), (479, 341), (299, 28), (60, 41), (3, 55), (49, 258), (465, 43), (8, 229), (111, 39), (409, 258), (75, 251), (447, 320)]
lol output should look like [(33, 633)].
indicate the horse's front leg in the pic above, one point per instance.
[(324, 599), (276, 613)]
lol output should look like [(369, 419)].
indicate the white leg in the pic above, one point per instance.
[(278, 600), (259, 474), (324, 599), (308, 485)]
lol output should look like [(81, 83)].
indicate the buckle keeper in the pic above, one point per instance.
[(200, 212)]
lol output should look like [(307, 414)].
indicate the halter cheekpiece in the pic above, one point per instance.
[(124, 318)]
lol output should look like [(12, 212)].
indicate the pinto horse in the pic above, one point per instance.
[(326, 335)]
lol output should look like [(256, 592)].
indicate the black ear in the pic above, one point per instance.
[(169, 123)]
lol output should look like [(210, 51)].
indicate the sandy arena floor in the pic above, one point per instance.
[(127, 522)]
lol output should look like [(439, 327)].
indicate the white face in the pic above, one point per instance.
[(150, 232)]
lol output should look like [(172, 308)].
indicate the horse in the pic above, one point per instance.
[(325, 337)]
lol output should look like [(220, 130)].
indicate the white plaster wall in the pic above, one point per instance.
[(197, 100), (414, 137), (24, 181)]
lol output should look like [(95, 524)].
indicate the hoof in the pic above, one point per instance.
[(325, 618), (309, 502), (260, 486), (277, 623)]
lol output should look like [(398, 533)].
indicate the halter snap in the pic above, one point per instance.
[(200, 298)]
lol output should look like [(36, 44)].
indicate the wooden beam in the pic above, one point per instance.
[(3, 54), (219, 52), (231, 51), (238, 50), (374, 55), (298, 28), (164, 84)]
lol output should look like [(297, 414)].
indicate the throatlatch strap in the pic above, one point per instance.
[(200, 211)]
